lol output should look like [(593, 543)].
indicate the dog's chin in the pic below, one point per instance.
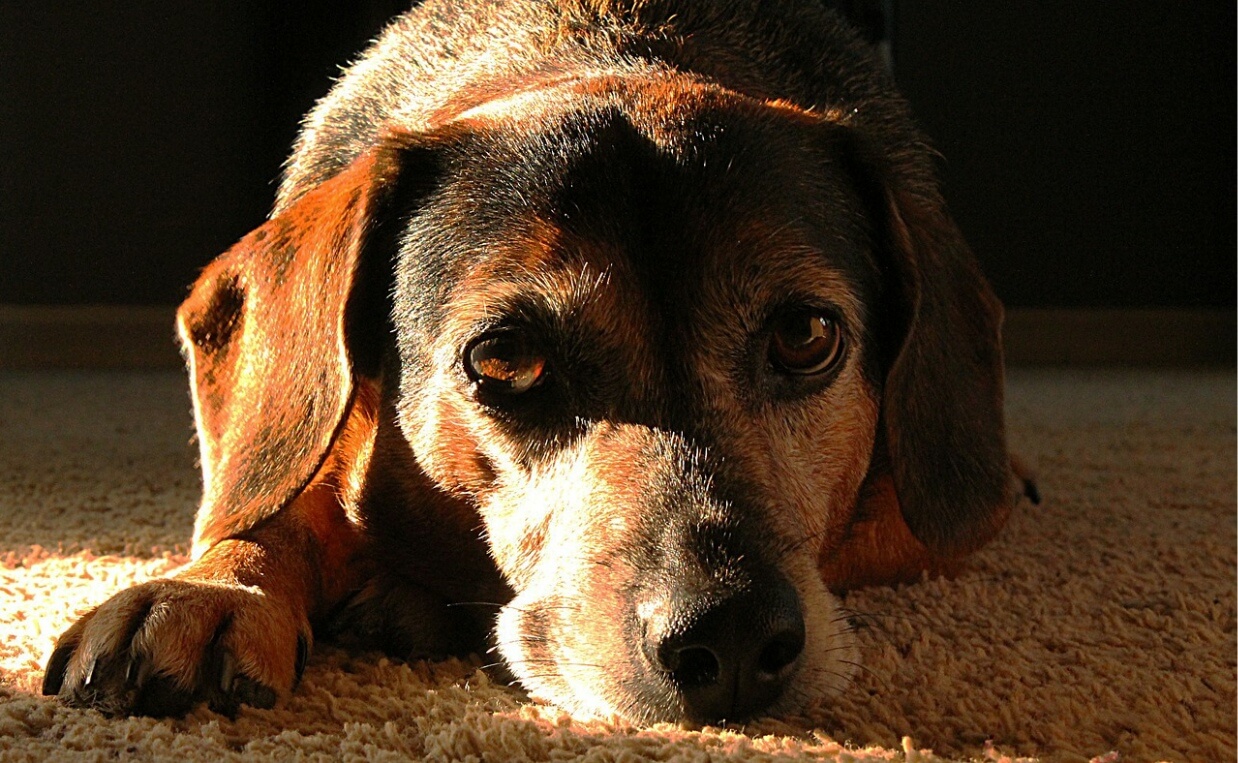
[(602, 674)]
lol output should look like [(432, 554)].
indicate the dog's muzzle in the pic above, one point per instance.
[(668, 592)]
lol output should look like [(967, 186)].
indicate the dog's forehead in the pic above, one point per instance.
[(684, 143), (672, 181)]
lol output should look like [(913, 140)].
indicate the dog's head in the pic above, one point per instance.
[(658, 336)]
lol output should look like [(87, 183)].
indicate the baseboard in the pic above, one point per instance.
[(1092, 337), (141, 337)]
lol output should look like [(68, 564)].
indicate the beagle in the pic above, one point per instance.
[(616, 336)]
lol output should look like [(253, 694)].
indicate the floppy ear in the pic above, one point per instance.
[(943, 397), (266, 332)]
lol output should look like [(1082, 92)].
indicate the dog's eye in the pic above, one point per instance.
[(805, 342), (505, 362)]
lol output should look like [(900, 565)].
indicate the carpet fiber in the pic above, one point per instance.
[(1101, 624)]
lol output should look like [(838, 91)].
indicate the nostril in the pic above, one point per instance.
[(781, 650), (693, 667)]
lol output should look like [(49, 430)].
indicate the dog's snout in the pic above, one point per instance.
[(728, 656)]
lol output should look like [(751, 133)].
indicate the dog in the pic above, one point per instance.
[(617, 336)]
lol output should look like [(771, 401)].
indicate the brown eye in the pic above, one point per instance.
[(805, 342), (505, 363)]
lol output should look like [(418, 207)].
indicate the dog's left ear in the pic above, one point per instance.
[(942, 402), (272, 335)]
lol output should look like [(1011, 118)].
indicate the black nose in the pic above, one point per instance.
[(729, 656)]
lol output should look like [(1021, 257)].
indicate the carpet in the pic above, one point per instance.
[(1100, 625)]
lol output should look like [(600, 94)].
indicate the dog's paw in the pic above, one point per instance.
[(165, 646)]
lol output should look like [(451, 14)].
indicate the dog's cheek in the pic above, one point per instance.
[(560, 652), (518, 511), (560, 539), (819, 454), (442, 430), (830, 655)]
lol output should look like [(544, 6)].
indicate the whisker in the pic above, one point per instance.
[(542, 676), (877, 615), (874, 623), (521, 641), (842, 677), (530, 661), (533, 660), (525, 610), (864, 668), (553, 662), (542, 608), (791, 547), (536, 662), (526, 640)]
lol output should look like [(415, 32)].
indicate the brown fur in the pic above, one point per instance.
[(639, 194)]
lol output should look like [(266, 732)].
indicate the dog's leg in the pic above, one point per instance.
[(879, 548), (399, 617), (231, 628)]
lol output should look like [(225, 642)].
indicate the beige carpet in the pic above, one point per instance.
[(1100, 625)]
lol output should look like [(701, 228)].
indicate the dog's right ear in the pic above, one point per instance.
[(943, 410), (274, 332)]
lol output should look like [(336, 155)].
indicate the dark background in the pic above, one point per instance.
[(1089, 148)]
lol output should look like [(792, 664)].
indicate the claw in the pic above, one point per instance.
[(90, 674), (1026, 477), (1031, 491), (302, 658), (227, 673), (53, 678), (138, 672)]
